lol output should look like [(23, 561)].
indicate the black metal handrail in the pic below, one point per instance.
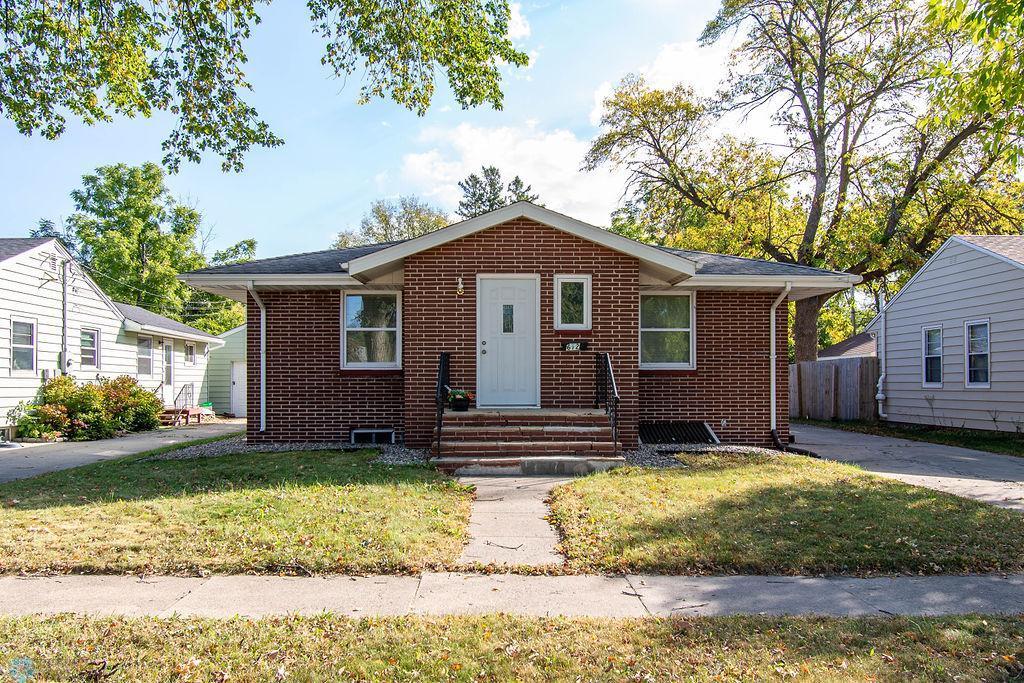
[(183, 401), (444, 379), (606, 393)]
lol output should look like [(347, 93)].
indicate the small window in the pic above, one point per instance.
[(371, 330), (931, 353), (190, 354), (372, 436), (666, 331), (89, 341), (976, 335), (572, 302), (23, 346), (508, 319), (144, 356)]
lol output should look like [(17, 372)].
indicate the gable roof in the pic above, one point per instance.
[(1007, 247), (148, 321), (12, 246), (863, 344)]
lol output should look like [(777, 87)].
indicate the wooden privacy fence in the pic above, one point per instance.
[(834, 389)]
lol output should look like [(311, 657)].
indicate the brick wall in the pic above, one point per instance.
[(309, 397), (437, 319), (731, 381)]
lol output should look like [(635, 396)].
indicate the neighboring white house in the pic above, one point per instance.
[(951, 342), (53, 314), (225, 373)]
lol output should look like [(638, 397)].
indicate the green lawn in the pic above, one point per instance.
[(503, 648), (1006, 443), (299, 512), (787, 514)]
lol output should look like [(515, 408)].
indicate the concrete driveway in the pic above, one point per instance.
[(988, 477), (33, 459)]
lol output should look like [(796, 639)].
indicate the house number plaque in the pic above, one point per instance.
[(575, 345)]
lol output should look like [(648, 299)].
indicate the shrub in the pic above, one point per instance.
[(88, 411)]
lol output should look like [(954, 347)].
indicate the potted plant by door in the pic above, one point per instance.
[(459, 399)]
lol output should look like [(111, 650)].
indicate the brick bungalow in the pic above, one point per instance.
[(541, 316)]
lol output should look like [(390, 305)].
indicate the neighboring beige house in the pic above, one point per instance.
[(52, 314), (951, 342), (225, 374)]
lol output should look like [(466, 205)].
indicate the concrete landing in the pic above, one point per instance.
[(508, 525)]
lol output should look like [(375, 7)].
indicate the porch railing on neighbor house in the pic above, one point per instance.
[(606, 393), (444, 381), (183, 401)]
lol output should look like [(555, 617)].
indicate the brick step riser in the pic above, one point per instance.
[(482, 434), (505, 449), (462, 420)]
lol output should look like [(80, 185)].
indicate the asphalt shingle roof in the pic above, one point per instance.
[(12, 246), (862, 344), (1010, 246), (151, 319), (329, 262)]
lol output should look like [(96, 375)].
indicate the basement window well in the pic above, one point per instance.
[(372, 437)]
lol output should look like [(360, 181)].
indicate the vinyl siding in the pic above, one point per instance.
[(959, 284), (30, 288), (218, 372)]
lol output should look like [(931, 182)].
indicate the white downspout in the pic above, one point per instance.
[(880, 396), (773, 355), (263, 355)]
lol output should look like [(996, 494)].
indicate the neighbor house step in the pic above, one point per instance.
[(556, 464), (546, 432)]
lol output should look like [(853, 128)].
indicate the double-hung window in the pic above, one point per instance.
[(23, 345), (144, 356), (978, 357), (572, 302), (931, 357), (89, 347), (371, 335), (666, 331), (190, 353)]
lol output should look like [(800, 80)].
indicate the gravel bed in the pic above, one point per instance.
[(663, 455), (389, 455)]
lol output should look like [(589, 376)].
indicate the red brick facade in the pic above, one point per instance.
[(309, 396)]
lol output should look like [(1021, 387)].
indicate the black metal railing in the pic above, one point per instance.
[(444, 370), (183, 401), (606, 393)]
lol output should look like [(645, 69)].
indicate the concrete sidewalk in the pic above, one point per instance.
[(445, 593)]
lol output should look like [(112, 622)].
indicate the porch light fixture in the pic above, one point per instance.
[(460, 289)]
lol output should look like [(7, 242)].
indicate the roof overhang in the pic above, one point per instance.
[(138, 328), (234, 286), (802, 286), (659, 263)]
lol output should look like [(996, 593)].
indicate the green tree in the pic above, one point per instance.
[(487, 191), (212, 313), (137, 237), (390, 221), (872, 178), (96, 59)]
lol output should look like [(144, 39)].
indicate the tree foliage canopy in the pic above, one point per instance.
[(872, 172), (389, 221), (94, 59), (487, 191)]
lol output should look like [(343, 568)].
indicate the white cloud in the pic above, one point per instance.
[(518, 26), (546, 159)]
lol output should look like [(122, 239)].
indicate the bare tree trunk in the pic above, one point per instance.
[(805, 327)]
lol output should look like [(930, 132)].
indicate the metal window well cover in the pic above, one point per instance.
[(682, 432)]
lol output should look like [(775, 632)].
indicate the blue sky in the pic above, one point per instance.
[(339, 156)]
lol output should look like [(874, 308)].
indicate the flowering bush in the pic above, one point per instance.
[(88, 411)]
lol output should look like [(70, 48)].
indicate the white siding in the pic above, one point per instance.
[(30, 288), (218, 372), (959, 284)]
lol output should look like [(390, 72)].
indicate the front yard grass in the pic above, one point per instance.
[(788, 514), (1007, 443), (503, 648), (300, 512)]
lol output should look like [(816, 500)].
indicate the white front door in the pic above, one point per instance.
[(238, 388), (169, 394), (508, 358)]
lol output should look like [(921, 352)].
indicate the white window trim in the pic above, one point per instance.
[(692, 365), (99, 356), (195, 354), (152, 354), (35, 345), (924, 357), (352, 434), (968, 384), (397, 365), (587, 283)]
